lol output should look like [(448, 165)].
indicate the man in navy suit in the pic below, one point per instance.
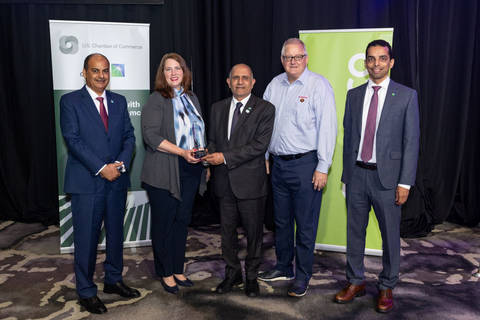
[(99, 136), (380, 154), (240, 131)]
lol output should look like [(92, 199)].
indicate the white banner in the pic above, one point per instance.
[(126, 45)]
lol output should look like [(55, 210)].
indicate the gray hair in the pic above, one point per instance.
[(293, 41)]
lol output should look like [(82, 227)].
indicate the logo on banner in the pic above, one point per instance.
[(118, 70), (354, 72), (68, 45)]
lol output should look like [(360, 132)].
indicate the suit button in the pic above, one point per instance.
[(108, 158), (108, 139)]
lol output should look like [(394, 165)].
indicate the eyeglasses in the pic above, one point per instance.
[(298, 57)]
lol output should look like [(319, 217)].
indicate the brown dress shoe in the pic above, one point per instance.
[(384, 301), (350, 292)]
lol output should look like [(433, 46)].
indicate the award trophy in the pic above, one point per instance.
[(199, 142)]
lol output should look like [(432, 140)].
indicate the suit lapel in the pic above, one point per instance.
[(222, 120), (245, 114), (112, 109), (389, 103), (359, 100), (91, 108)]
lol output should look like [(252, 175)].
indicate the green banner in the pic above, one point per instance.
[(339, 56)]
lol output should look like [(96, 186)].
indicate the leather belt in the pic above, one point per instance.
[(368, 166), (294, 156)]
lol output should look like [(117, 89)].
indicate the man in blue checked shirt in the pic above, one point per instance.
[(302, 147)]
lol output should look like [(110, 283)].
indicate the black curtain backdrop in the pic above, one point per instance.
[(435, 45)]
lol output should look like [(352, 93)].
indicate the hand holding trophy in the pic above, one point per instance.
[(199, 143)]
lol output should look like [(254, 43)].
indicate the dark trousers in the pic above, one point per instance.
[(170, 220), (295, 202), (363, 192), (249, 213), (88, 212)]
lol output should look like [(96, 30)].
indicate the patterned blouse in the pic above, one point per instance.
[(189, 125)]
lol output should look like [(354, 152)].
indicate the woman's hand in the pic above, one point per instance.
[(189, 156)]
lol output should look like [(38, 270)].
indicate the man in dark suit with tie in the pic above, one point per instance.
[(380, 154), (99, 136), (239, 134)]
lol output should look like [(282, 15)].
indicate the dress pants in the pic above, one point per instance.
[(295, 202), (249, 213), (362, 192), (88, 211), (170, 220)]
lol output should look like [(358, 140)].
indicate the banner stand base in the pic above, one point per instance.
[(334, 248)]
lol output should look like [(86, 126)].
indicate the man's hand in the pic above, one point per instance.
[(267, 163), (208, 174), (319, 180), (214, 159), (401, 195), (110, 171)]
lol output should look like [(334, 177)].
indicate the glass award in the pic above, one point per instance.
[(198, 140)]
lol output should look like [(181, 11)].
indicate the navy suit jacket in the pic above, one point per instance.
[(89, 145), (397, 137), (244, 153)]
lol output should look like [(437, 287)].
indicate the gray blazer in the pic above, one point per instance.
[(160, 169), (398, 135)]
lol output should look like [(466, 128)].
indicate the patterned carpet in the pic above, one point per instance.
[(37, 282)]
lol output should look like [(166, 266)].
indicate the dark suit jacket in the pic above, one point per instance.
[(397, 135), (245, 151), (89, 145)]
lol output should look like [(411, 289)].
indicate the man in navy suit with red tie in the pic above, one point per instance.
[(380, 154), (99, 136)]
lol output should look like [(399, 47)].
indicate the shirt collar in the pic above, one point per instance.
[(178, 93), (94, 95), (384, 84), (244, 101), (302, 79)]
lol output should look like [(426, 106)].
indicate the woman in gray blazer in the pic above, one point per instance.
[(171, 172)]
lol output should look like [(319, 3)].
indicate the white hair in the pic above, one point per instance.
[(293, 41)]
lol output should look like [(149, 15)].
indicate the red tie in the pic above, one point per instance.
[(103, 113), (367, 149)]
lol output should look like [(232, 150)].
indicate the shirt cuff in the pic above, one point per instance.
[(100, 169), (406, 186), (322, 167)]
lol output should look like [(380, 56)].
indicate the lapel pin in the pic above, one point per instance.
[(248, 110), (393, 94), (111, 101)]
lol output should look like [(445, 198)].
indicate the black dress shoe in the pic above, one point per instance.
[(173, 290), (252, 289), (93, 305), (121, 289), (228, 284), (183, 283)]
